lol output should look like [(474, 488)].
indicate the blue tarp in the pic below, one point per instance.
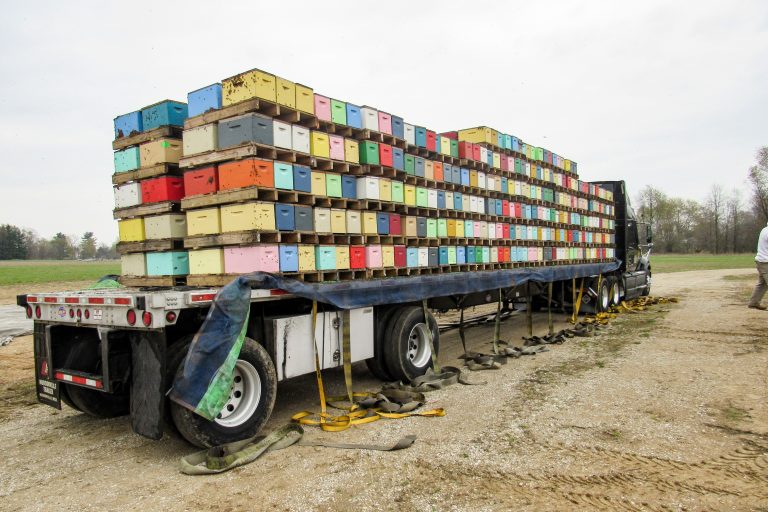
[(204, 385)]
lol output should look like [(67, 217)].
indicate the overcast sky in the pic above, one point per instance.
[(669, 94)]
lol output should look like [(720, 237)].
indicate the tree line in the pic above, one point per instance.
[(24, 244), (724, 222)]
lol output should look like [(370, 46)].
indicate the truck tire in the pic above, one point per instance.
[(248, 409), (377, 364), (406, 347), (647, 290), (603, 299), (98, 403), (617, 291), (64, 395)]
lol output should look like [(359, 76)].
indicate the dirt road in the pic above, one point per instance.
[(666, 410)]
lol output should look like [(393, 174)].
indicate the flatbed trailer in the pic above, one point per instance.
[(117, 351)]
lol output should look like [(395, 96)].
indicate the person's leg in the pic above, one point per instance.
[(761, 286)]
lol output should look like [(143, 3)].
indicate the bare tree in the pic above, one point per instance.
[(714, 206), (758, 178)]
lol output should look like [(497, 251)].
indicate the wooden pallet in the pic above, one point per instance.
[(145, 173), (150, 246), (157, 133), (146, 209), (152, 281)]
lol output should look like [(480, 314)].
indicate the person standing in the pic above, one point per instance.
[(761, 260)]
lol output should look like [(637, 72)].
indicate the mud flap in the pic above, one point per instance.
[(147, 375)]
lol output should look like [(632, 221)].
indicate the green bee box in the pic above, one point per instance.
[(369, 152)]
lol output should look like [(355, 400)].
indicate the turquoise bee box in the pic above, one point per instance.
[(163, 114), (127, 159), (173, 263)]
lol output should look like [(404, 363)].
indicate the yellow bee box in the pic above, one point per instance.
[(318, 184), (305, 99), (342, 257), (385, 189), (451, 227), (409, 193), (497, 160), (319, 145), (249, 216), (306, 258), (472, 178), (445, 145), (248, 85), (429, 169), (370, 226), (131, 230), (478, 135), (285, 92), (460, 229), (388, 255), (206, 221), (351, 151), (160, 151), (338, 221), (354, 223), (206, 261)]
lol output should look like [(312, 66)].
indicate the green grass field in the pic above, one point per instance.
[(661, 263), (51, 271)]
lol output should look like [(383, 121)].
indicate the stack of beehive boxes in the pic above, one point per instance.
[(280, 179), (148, 192)]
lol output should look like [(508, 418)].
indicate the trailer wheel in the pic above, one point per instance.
[(603, 299), (406, 346), (251, 399), (377, 364), (98, 403), (617, 292)]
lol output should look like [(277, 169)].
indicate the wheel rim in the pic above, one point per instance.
[(244, 396), (419, 353), (616, 292), (605, 298)]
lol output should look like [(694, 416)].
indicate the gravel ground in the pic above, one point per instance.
[(664, 410)]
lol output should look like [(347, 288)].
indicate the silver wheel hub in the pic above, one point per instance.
[(244, 396), (419, 353)]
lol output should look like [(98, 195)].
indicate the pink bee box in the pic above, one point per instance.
[(373, 257), (385, 123), (242, 260), (322, 107), (499, 230), (532, 254), (478, 231), (337, 147)]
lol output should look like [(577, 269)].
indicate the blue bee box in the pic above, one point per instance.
[(412, 257), (461, 255), (437, 144), (534, 212), (527, 211), (447, 176), (421, 136), (349, 187), (283, 175), (443, 255), (163, 114), (441, 199), (398, 128), (128, 124), (418, 166), (489, 159), (507, 141), (504, 185), (204, 100), (173, 263), (284, 217), (515, 144), (457, 200), (289, 258), (470, 254), (127, 159), (382, 223), (354, 118), (465, 177), (574, 168), (398, 159), (499, 207), (456, 173), (302, 178), (304, 218), (421, 227)]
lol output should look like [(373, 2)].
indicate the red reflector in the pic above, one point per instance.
[(49, 299), (131, 317), (31, 298), (123, 301), (170, 317), (278, 292), (37, 311), (203, 297), (146, 318), (72, 300), (29, 311), (71, 313), (87, 314), (95, 300), (79, 314), (44, 369)]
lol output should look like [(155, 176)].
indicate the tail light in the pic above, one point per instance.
[(170, 317), (71, 313), (79, 314), (131, 317), (38, 312), (44, 368), (29, 311), (87, 314), (146, 318)]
